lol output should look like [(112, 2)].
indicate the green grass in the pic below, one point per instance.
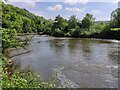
[(115, 29), (25, 79)]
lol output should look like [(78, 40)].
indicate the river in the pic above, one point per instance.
[(79, 63)]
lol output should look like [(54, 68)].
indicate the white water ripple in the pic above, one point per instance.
[(64, 81)]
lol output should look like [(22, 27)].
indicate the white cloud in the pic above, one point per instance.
[(114, 1), (75, 2), (30, 4), (55, 8), (94, 11), (71, 2), (83, 1), (74, 9)]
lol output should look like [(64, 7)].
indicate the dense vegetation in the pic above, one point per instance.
[(11, 26), (16, 21), (24, 79), (25, 22), (11, 78)]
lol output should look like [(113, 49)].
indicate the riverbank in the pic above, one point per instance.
[(114, 35), (19, 79), (10, 77), (90, 36)]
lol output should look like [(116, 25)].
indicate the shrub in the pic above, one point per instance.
[(25, 79), (58, 33), (8, 37)]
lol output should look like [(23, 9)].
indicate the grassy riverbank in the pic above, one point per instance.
[(25, 79), (10, 78)]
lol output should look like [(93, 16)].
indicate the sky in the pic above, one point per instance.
[(66, 8)]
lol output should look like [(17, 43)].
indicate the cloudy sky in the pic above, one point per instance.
[(66, 8)]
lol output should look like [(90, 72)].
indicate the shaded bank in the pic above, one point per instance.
[(104, 35)]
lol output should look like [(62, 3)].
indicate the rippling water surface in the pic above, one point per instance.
[(83, 63)]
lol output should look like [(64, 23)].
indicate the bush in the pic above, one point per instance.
[(58, 33), (76, 32), (25, 79), (8, 38), (47, 31)]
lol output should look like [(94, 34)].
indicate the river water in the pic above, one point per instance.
[(78, 63)]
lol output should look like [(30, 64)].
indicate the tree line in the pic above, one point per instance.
[(24, 21)]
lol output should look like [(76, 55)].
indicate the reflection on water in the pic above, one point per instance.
[(84, 63)]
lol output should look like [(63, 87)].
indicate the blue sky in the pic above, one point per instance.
[(100, 10)]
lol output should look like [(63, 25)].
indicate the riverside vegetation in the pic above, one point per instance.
[(18, 21), (25, 22), (9, 77)]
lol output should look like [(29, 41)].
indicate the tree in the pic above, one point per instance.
[(76, 32), (58, 33), (72, 22), (26, 25), (60, 23), (115, 19), (48, 27), (20, 19), (33, 26), (88, 21)]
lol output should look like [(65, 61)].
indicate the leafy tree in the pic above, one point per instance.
[(48, 27), (60, 23), (58, 33), (115, 19), (8, 38), (20, 19), (72, 22), (40, 27), (33, 26), (76, 32), (26, 25), (88, 21)]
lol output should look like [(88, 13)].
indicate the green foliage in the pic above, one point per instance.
[(20, 19), (72, 22), (88, 21), (59, 23), (48, 25), (25, 22), (76, 32), (26, 25), (97, 28), (57, 32), (115, 19), (110, 33), (8, 38), (115, 29), (25, 79)]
